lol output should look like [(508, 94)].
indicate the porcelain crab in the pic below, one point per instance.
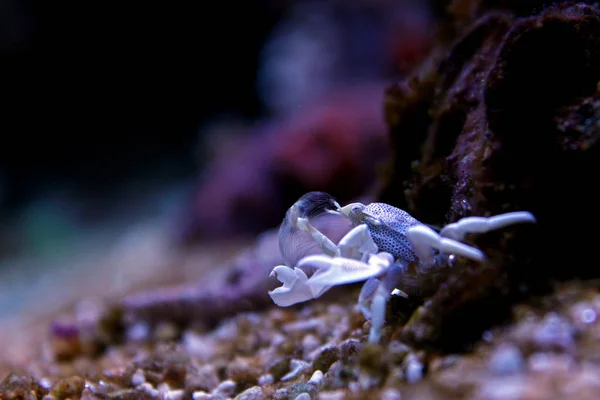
[(381, 245)]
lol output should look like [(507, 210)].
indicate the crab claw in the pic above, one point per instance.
[(334, 271), (295, 288)]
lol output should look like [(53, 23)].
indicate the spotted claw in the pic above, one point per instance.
[(334, 271)]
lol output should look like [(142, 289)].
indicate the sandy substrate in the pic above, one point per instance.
[(317, 350)]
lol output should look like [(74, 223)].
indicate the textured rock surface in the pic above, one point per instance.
[(503, 117)]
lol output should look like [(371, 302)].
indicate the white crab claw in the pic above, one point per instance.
[(316, 262), (286, 275), (423, 239), (459, 229), (334, 271), (294, 289)]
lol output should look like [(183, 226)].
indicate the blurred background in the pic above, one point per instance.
[(157, 126)]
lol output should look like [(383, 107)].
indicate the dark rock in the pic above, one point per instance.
[(503, 117)]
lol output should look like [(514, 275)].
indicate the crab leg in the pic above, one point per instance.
[(459, 229), (365, 298), (424, 239), (380, 298)]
